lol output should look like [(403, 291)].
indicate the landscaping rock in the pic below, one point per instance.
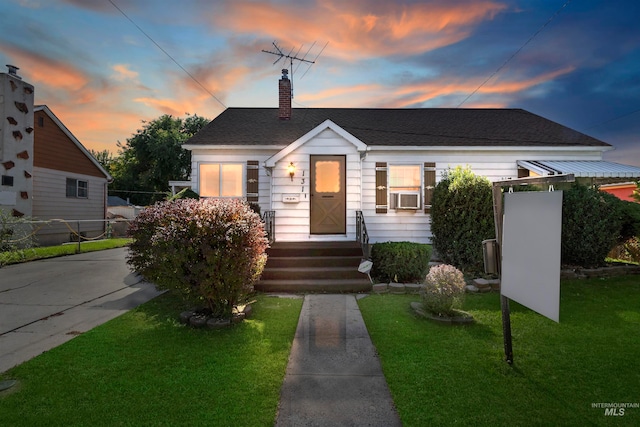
[(380, 288), (248, 311), (198, 321), (397, 288), (214, 323), (481, 284), (185, 316), (412, 288), (464, 318), (237, 318), (472, 289)]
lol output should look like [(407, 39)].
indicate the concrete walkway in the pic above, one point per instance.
[(334, 377), (46, 303)]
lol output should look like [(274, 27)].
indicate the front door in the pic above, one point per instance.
[(328, 195)]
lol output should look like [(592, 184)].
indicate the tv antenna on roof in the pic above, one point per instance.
[(280, 54)]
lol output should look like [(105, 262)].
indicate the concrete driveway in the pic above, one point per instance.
[(46, 303)]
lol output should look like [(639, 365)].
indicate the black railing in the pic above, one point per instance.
[(362, 236), (269, 219)]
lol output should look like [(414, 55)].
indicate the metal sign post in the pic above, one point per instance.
[(498, 220)]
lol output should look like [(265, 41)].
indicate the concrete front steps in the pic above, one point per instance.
[(320, 267)]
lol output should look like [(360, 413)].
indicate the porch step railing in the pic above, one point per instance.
[(362, 236), (269, 219)]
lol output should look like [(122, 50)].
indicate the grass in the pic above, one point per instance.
[(24, 255), (443, 375), (144, 368)]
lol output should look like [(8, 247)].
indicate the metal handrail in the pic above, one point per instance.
[(362, 236), (269, 219)]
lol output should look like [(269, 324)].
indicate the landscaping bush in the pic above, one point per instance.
[(212, 251), (461, 218), (402, 262), (591, 225), (444, 290)]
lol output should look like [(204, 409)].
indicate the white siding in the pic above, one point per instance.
[(50, 202), (292, 219), (415, 226)]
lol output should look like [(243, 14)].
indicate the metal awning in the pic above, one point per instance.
[(581, 168)]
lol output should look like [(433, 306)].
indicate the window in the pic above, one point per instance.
[(405, 184), (77, 188), (7, 180), (221, 180), (404, 178)]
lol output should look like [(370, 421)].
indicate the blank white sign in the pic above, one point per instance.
[(531, 240)]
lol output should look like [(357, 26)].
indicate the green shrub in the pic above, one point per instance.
[(630, 217), (591, 225), (444, 290), (212, 251), (185, 193), (402, 262), (461, 218)]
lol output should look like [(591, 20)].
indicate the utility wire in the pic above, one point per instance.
[(168, 55), (515, 53), (613, 119)]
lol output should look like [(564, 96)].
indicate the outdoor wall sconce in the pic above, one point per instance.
[(292, 170)]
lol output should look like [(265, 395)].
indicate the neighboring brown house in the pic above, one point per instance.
[(46, 172)]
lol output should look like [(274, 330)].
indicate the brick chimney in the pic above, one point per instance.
[(285, 96)]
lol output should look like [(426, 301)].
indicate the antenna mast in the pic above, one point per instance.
[(280, 54)]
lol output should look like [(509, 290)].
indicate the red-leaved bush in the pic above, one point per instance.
[(212, 251)]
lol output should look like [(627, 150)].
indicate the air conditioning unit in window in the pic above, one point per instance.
[(409, 201)]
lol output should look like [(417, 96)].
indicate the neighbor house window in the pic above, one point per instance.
[(221, 180), (77, 188)]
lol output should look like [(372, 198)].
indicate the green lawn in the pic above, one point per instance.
[(144, 368), (444, 375), (24, 255)]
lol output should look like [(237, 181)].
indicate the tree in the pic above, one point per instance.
[(104, 157), (636, 192), (152, 157)]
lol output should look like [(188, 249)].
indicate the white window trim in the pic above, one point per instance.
[(77, 189)]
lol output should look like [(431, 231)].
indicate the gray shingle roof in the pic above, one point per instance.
[(394, 127)]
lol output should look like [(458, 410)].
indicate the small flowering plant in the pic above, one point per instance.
[(444, 290)]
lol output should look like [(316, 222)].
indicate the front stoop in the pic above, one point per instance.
[(321, 267)]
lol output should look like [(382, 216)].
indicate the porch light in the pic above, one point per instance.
[(291, 169)]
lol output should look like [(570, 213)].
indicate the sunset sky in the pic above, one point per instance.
[(102, 73)]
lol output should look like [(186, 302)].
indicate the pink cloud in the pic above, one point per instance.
[(42, 69), (356, 29)]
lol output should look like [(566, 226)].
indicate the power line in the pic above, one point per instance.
[(168, 55), (515, 53), (613, 119)]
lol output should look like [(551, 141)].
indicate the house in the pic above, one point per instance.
[(117, 207), (622, 190), (47, 174), (322, 170)]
